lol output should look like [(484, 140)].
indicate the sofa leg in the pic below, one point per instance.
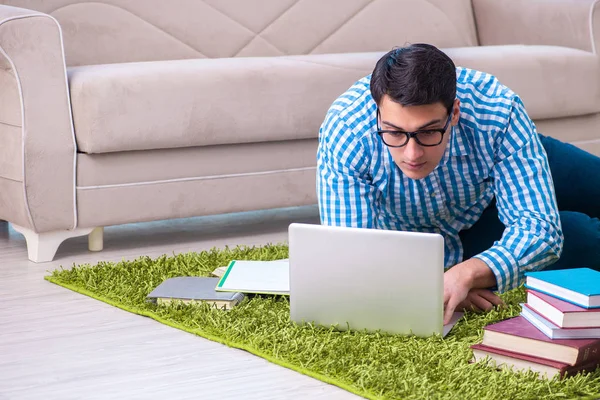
[(96, 239), (42, 247)]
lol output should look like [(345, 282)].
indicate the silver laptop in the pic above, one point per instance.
[(369, 279)]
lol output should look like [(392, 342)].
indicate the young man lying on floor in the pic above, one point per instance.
[(421, 145)]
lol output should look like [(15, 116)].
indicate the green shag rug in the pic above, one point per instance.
[(369, 364)]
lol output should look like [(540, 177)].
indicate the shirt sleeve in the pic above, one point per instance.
[(526, 203), (345, 191)]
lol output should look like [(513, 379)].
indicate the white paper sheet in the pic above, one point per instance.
[(457, 315)]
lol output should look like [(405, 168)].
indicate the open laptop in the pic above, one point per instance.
[(369, 279)]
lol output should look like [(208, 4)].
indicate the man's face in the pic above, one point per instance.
[(417, 161)]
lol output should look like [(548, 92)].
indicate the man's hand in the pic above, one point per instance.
[(480, 300), (458, 282)]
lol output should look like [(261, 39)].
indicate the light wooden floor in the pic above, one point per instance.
[(57, 344)]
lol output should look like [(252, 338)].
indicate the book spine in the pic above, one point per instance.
[(571, 371), (588, 353)]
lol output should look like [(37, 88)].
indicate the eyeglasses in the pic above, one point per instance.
[(425, 137)]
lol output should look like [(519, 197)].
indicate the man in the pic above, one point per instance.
[(421, 145)]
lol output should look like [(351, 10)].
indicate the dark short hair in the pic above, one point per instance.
[(415, 75)]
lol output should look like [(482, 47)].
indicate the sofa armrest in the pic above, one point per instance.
[(36, 136), (567, 23)]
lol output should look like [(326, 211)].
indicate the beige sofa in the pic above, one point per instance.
[(128, 110)]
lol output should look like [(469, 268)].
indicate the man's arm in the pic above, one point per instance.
[(345, 192), (527, 207), (526, 204)]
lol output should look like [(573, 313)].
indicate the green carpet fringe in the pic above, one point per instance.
[(371, 365)]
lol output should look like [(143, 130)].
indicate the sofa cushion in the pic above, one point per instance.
[(171, 104), (552, 81)]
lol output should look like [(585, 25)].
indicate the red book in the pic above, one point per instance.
[(520, 336), (562, 313), (522, 362)]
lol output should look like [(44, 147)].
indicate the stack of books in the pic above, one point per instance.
[(558, 331)]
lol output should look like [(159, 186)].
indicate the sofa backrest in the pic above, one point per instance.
[(114, 31)]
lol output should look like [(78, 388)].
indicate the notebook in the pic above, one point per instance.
[(194, 289), (579, 286), (260, 277)]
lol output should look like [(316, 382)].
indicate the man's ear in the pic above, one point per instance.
[(455, 112)]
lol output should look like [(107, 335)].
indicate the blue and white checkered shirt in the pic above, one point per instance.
[(493, 151)]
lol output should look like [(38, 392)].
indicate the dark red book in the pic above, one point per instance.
[(562, 313), (520, 336), (523, 362)]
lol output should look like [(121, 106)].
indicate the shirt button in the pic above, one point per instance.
[(432, 194)]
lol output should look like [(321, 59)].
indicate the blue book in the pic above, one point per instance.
[(580, 286)]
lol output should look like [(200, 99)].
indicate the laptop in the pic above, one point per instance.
[(367, 279)]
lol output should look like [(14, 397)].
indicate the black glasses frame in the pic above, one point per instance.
[(414, 134)]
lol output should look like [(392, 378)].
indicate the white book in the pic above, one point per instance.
[(554, 331), (264, 277)]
